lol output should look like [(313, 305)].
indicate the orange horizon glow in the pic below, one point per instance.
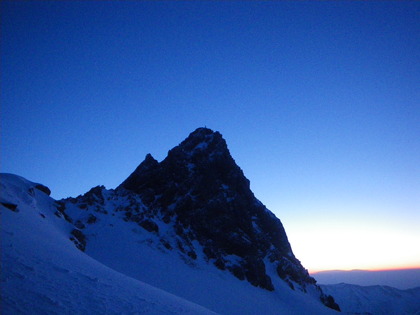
[(345, 244), (370, 269)]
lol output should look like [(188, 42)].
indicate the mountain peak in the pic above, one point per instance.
[(202, 159), (203, 131), (199, 188), (203, 141), (201, 192), (144, 170)]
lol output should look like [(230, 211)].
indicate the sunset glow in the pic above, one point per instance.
[(347, 246)]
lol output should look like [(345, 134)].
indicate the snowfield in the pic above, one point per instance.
[(44, 273), (121, 271), (375, 300)]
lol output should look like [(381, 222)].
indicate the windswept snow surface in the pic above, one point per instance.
[(121, 272), (44, 273), (374, 300)]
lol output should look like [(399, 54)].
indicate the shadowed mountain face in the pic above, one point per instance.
[(200, 186), (199, 194)]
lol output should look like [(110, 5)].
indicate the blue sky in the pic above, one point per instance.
[(318, 102)]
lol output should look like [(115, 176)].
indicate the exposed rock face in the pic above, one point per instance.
[(78, 238), (43, 188), (202, 196), (10, 206), (201, 186)]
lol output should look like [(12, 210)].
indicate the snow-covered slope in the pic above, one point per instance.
[(375, 300), (43, 271)]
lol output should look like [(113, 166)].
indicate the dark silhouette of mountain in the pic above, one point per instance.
[(201, 186), (199, 194)]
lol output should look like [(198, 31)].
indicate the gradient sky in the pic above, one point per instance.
[(318, 101)]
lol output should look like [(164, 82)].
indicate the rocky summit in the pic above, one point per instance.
[(198, 203), (201, 188)]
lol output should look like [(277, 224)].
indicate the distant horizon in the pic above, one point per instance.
[(368, 270), (402, 279)]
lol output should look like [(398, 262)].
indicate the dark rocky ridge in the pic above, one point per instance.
[(201, 192), (200, 185)]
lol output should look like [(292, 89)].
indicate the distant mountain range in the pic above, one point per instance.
[(401, 279), (374, 300), (181, 236), (385, 292)]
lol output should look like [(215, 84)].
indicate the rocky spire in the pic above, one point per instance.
[(139, 177)]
